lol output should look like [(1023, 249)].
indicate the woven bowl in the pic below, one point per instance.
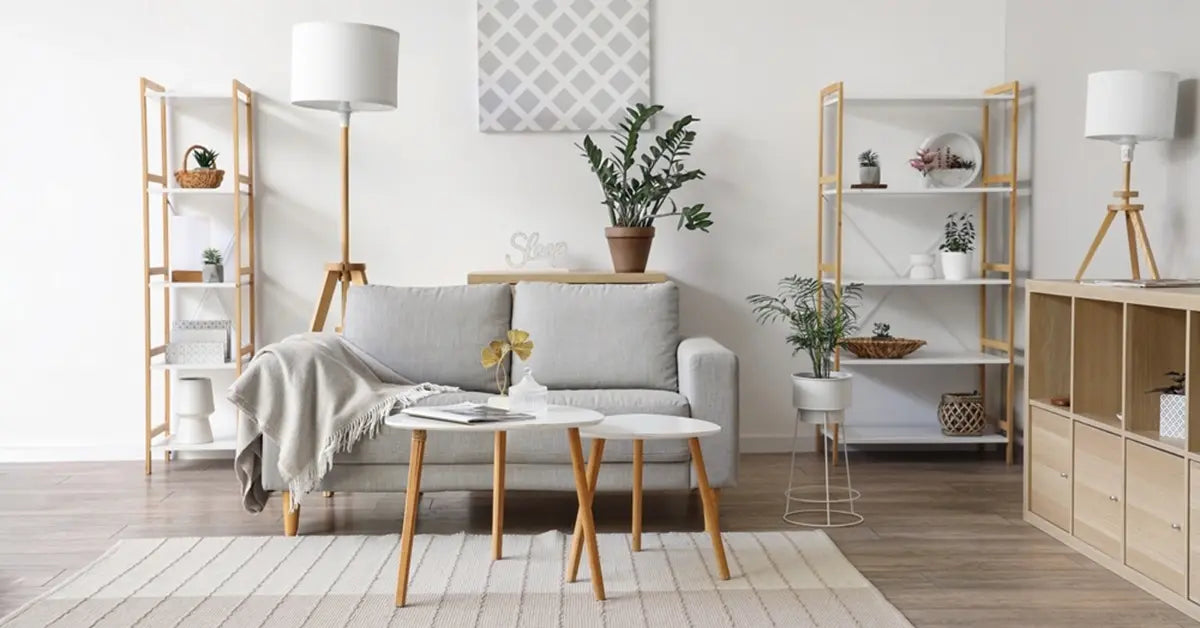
[(208, 178), (882, 348)]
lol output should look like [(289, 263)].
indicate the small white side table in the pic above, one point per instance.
[(844, 515), (640, 428)]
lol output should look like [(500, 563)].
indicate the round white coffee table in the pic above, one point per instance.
[(640, 428), (556, 417)]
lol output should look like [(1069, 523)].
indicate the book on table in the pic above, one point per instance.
[(467, 413)]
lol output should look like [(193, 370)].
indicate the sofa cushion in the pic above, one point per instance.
[(391, 446), (430, 334), (599, 336)]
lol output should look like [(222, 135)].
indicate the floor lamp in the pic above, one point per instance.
[(1127, 107), (343, 67)]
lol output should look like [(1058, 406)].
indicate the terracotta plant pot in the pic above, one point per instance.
[(629, 247)]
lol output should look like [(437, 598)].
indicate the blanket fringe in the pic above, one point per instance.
[(365, 425)]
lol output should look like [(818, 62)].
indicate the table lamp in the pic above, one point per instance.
[(343, 67), (1127, 107)]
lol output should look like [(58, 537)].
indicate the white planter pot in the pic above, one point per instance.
[(1172, 416), (956, 266), (832, 394), (921, 266), (193, 405), (213, 273), (868, 175)]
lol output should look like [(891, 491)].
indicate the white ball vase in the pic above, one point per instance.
[(193, 405)]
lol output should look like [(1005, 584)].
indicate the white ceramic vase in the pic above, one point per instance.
[(816, 396), (920, 266), (193, 405), (956, 266)]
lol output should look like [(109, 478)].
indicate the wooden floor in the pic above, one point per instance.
[(943, 537)]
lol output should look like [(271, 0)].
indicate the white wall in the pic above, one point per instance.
[(433, 198)]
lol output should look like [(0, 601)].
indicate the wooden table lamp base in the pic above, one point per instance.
[(337, 273), (1135, 231)]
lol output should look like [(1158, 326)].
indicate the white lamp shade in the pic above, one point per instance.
[(342, 66), (1130, 106)]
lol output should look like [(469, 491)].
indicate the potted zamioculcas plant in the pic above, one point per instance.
[(637, 187), (868, 167), (818, 320), (1172, 406), (957, 245), (214, 271)]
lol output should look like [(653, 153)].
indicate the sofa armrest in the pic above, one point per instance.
[(708, 378)]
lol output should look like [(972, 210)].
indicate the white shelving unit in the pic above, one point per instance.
[(994, 287), (158, 187)]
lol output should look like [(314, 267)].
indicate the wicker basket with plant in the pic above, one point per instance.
[(882, 346), (205, 175)]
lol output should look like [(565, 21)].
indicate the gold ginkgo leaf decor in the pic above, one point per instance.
[(517, 342)]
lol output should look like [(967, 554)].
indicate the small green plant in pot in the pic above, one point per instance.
[(957, 245), (818, 321), (214, 271), (868, 167), (637, 188)]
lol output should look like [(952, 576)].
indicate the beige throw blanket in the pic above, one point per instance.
[(314, 394)]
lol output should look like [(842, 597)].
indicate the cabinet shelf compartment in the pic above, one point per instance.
[(1098, 354), (1156, 342), (1050, 340)]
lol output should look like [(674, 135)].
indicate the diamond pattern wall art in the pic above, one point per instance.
[(561, 65)]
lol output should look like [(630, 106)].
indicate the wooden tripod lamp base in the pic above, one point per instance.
[(337, 273), (1135, 230)]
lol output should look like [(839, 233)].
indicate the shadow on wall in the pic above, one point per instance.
[(1181, 154)]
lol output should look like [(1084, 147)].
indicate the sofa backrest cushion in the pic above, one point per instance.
[(600, 335), (430, 334)]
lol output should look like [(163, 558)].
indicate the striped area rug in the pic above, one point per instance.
[(794, 578)]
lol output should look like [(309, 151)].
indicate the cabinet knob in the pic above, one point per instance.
[(1176, 526), (1113, 498), (1062, 475)]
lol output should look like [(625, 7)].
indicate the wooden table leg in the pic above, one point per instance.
[(291, 516), (584, 493), (412, 502), (711, 514), (593, 474), (638, 446), (498, 464)]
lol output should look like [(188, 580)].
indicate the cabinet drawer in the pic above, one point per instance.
[(1155, 513), (1194, 531), (1098, 489), (1050, 467)]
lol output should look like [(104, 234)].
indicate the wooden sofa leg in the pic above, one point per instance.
[(291, 518)]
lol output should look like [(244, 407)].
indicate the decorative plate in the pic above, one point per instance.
[(963, 146)]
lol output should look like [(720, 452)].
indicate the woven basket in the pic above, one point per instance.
[(882, 348), (199, 178), (961, 414)]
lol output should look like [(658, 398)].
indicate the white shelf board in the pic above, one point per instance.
[(927, 357), (922, 100), (162, 366), (849, 191), (909, 435), (220, 443), (193, 285), (198, 95), (155, 189), (905, 281)]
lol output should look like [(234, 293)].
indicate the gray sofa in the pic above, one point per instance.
[(613, 348)]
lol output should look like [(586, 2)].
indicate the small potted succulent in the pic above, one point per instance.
[(637, 188), (214, 271), (868, 167), (819, 320), (882, 345), (956, 246), (1172, 406)]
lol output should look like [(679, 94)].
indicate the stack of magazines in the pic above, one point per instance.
[(467, 413)]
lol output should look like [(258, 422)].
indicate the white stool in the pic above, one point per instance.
[(809, 506)]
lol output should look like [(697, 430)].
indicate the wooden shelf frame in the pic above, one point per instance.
[(156, 279), (831, 188)]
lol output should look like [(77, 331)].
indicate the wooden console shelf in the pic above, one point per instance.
[(1098, 475)]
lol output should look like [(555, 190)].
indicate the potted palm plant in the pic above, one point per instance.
[(818, 320), (637, 188), (957, 246), (868, 167), (214, 270)]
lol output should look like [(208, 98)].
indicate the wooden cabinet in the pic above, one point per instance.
[(1050, 467), (1155, 515), (1194, 532), (1098, 489)]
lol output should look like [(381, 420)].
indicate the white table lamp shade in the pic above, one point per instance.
[(342, 66), (1130, 106)]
